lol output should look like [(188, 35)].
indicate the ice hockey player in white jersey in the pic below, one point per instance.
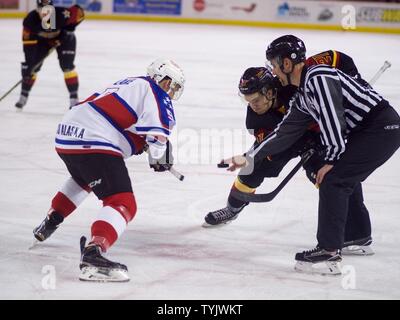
[(130, 116)]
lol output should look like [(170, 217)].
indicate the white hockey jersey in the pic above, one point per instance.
[(121, 120)]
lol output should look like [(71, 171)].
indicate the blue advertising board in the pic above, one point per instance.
[(160, 7), (87, 5)]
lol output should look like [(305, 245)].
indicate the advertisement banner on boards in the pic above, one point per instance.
[(228, 9), (153, 7), (9, 4), (335, 13), (95, 6)]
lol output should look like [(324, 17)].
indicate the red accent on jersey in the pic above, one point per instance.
[(116, 111), (92, 97), (76, 15), (62, 204), (138, 141), (84, 151)]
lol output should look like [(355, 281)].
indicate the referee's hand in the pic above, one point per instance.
[(322, 172)]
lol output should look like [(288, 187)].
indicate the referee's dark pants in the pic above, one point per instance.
[(368, 147)]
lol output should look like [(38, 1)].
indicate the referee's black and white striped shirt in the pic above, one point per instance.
[(336, 101)]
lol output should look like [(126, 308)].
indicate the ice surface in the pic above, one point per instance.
[(168, 253)]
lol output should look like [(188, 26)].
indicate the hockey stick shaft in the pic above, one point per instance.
[(266, 197), (37, 65), (386, 65), (175, 173), (9, 91)]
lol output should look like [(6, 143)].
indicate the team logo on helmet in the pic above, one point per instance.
[(254, 79)]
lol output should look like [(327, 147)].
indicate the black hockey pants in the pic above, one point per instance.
[(376, 140)]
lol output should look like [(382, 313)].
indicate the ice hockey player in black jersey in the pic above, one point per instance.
[(42, 35), (267, 105), (359, 130)]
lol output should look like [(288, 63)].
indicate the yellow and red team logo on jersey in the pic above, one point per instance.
[(331, 58), (323, 58), (260, 135)]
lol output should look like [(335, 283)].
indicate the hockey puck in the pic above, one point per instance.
[(222, 165)]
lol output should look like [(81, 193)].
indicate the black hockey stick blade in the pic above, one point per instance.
[(266, 197)]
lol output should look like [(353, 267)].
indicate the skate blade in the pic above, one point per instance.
[(358, 251), (34, 244), (324, 268), (95, 274), (214, 226)]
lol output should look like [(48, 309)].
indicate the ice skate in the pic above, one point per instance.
[(360, 247), (94, 267), (48, 226), (221, 217), (319, 261), (21, 102)]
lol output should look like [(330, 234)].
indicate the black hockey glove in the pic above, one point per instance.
[(165, 162), (313, 164)]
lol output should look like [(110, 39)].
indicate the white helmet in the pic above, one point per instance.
[(162, 68)]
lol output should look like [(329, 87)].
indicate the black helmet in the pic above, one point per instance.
[(287, 46), (42, 3), (256, 79)]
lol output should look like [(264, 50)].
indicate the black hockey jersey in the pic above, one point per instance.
[(66, 20)]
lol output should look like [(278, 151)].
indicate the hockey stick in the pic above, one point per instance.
[(386, 65), (179, 176), (266, 197), (9, 91), (33, 71)]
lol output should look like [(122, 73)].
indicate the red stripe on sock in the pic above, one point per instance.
[(103, 234), (62, 205), (71, 81)]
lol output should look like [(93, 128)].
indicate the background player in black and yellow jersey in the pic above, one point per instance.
[(40, 37)]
